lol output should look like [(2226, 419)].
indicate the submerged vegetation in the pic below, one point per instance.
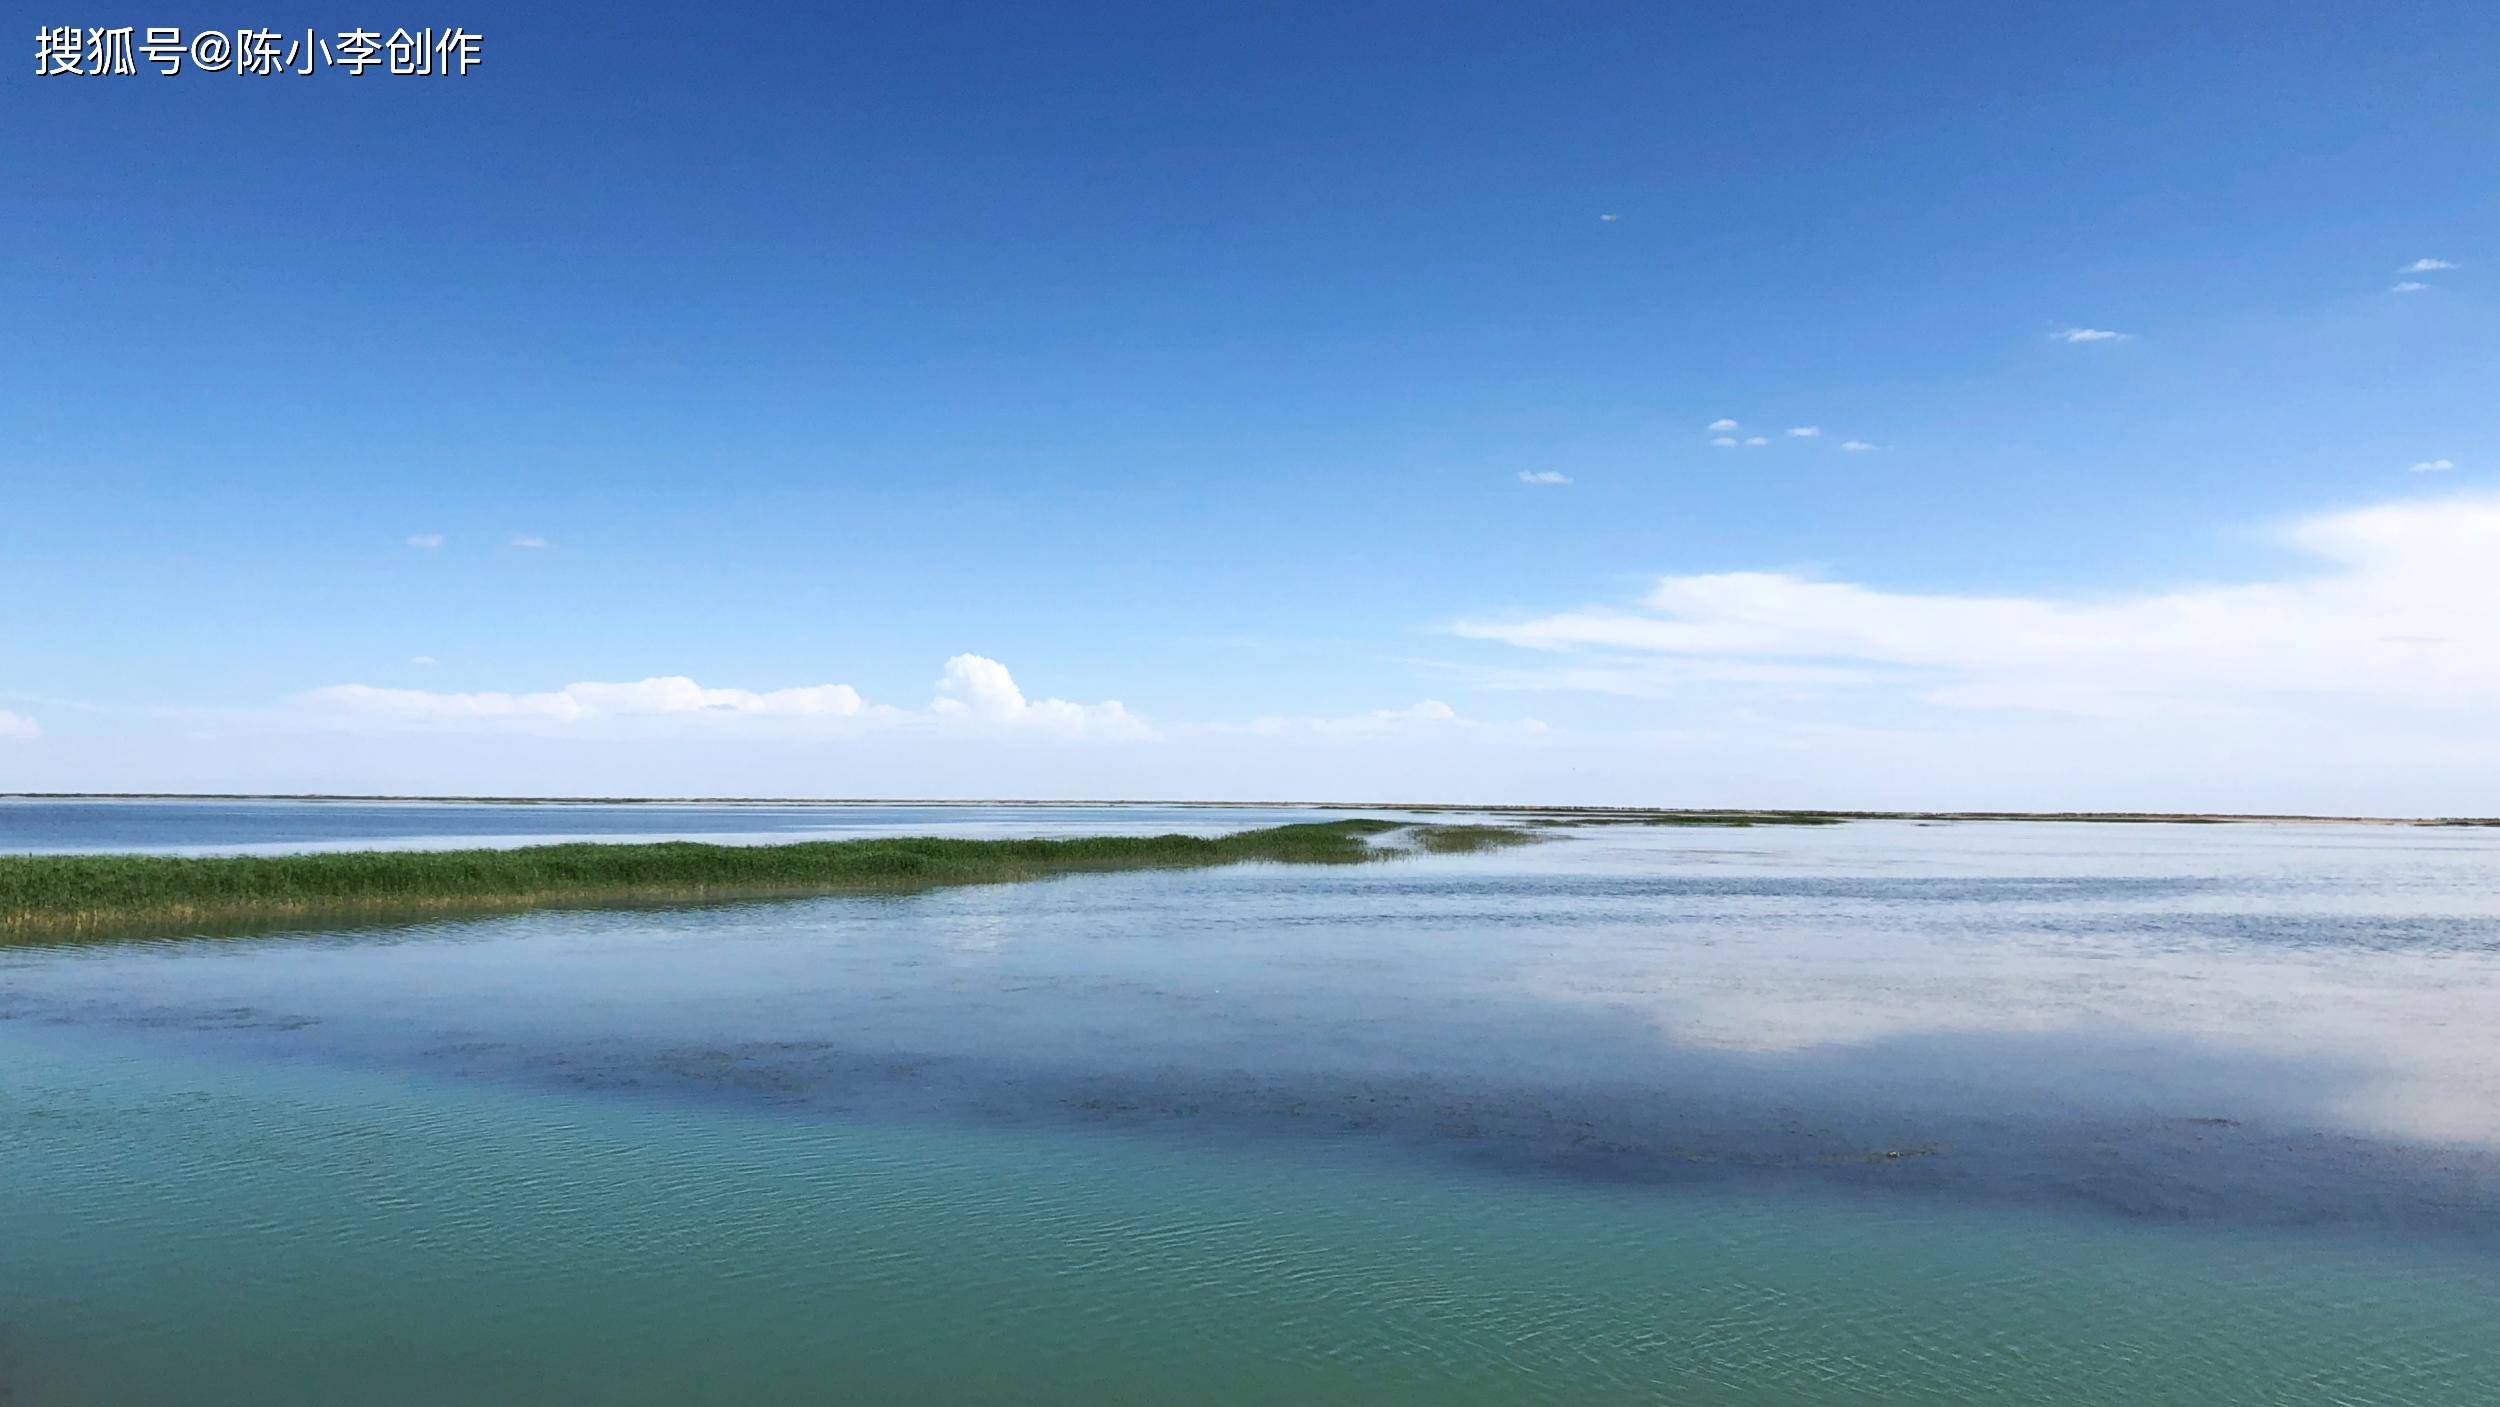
[(47, 896), (1687, 818)]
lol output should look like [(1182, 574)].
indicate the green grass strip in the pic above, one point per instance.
[(102, 896)]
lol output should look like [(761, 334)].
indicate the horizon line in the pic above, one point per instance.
[(1497, 808)]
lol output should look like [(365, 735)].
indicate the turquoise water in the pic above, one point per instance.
[(1884, 1114), (297, 1233)]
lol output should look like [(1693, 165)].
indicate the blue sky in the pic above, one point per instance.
[(1193, 358)]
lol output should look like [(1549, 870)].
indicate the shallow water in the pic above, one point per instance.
[(1873, 1113)]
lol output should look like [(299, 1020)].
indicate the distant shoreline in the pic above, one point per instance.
[(1664, 814)]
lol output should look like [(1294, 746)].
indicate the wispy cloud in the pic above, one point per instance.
[(2426, 266), (18, 725), (2405, 611), (1429, 718), (1755, 441), (1856, 446), (1723, 426), (425, 540), (423, 659), (529, 540), (1725, 442), (1543, 476), (1428, 713), (2433, 466), (2090, 334), (1804, 432), (663, 695), (2408, 286)]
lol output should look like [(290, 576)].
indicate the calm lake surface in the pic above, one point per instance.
[(1876, 1113)]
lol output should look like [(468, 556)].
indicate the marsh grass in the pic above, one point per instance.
[(103, 896), (1467, 840)]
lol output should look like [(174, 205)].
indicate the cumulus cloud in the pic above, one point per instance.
[(979, 689), (1804, 432), (18, 725), (2426, 266), (425, 540), (2090, 334), (2403, 611), (1543, 476), (529, 540), (1856, 446), (1722, 426), (2433, 466), (2408, 286), (974, 691)]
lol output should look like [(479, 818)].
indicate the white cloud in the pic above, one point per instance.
[(1639, 677), (2433, 466), (529, 540), (981, 686), (1428, 719), (668, 694), (1427, 714), (2090, 334), (1725, 442), (1804, 432), (425, 540), (18, 725), (980, 689), (1543, 476), (1722, 426), (2408, 286), (2404, 613), (1856, 446), (423, 659), (977, 703), (1755, 441), (2426, 266)]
